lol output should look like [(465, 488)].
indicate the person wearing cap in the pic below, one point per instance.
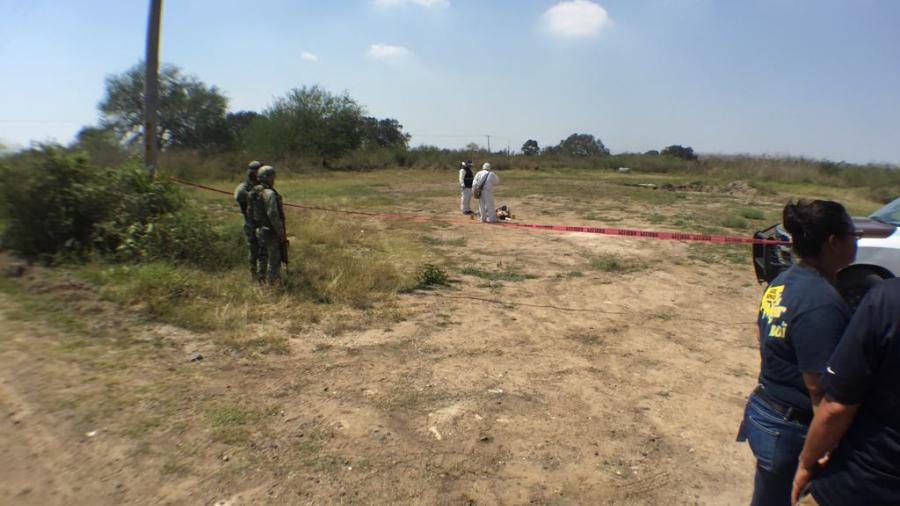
[(257, 254), (485, 181), (465, 187)]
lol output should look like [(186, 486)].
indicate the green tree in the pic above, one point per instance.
[(238, 124), (101, 145), (531, 148), (386, 132), (583, 145), (683, 152), (191, 114), (309, 121)]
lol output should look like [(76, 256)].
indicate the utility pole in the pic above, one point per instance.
[(489, 142), (151, 88)]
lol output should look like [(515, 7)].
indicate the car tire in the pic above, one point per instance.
[(854, 283)]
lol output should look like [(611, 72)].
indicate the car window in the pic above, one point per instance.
[(889, 213)]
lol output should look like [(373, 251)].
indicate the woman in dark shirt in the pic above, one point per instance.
[(801, 319)]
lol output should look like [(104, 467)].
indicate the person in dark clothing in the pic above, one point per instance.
[(267, 212), (801, 319), (860, 414), (257, 256), (465, 187)]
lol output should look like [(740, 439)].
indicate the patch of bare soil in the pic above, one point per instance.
[(568, 385)]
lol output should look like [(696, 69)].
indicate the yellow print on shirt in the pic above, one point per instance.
[(772, 310)]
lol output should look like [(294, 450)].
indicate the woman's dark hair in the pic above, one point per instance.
[(812, 222)]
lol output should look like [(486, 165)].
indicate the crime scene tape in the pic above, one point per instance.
[(621, 232)]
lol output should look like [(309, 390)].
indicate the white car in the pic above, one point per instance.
[(877, 257)]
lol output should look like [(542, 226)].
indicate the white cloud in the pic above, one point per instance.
[(306, 55), (389, 53), (576, 18), (421, 3)]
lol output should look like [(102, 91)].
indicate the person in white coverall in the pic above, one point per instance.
[(465, 187), (486, 179)]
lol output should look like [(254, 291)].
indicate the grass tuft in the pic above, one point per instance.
[(506, 275), (734, 222), (752, 213), (435, 241), (609, 262)]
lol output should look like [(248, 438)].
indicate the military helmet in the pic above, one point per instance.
[(253, 166), (266, 173)]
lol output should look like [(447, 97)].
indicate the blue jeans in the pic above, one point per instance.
[(776, 443)]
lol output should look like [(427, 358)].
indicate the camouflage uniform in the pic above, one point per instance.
[(257, 256), (268, 218)]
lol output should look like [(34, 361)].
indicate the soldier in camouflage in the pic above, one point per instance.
[(268, 218), (257, 255)]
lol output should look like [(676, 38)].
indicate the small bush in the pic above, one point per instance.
[(57, 203), (734, 222), (753, 214), (433, 275), (50, 201)]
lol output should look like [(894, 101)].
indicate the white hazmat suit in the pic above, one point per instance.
[(465, 202), (486, 180)]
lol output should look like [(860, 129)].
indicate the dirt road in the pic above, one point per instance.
[(576, 386)]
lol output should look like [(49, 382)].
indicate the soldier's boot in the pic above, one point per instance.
[(258, 276), (254, 270), (262, 263)]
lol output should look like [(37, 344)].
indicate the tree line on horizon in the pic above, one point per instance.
[(308, 122)]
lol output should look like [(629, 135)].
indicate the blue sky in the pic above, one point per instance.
[(816, 78)]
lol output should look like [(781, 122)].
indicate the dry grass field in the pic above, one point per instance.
[(552, 368)]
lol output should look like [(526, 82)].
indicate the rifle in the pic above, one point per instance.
[(285, 244)]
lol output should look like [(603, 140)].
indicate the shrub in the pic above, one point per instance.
[(50, 201), (752, 213), (683, 152), (734, 222), (433, 275), (56, 203), (181, 236)]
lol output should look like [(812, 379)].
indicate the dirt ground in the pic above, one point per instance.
[(570, 386)]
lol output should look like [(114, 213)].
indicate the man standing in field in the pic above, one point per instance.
[(268, 219), (465, 187), (483, 186), (257, 254)]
